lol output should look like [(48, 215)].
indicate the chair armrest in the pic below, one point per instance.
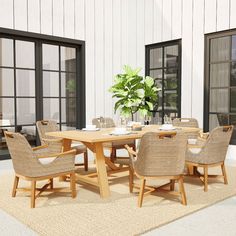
[(39, 147), (130, 150), (73, 151)]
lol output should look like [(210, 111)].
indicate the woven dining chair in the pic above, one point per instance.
[(160, 156), (28, 167), (211, 154), (107, 122), (55, 145)]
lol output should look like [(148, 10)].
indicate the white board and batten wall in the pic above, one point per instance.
[(116, 32)]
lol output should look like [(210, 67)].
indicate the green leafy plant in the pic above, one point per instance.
[(134, 93)]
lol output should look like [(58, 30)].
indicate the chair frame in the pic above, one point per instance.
[(173, 179)]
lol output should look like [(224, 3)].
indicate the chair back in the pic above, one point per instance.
[(159, 155), (186, 122), (21, 153), (216, 147), (103, 122), (44, 126)]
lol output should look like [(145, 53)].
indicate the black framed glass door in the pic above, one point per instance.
[(163, 63), (39, 79)]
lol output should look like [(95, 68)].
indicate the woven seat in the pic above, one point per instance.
[(212, 153), (55, 145), (28, 167), (159, 156), (106, 122)]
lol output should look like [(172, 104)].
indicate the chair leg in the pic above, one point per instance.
[(16, 181), (172, 185), (182, 191), (205, 178), (86, 161), (141, 192), (113, 154), (224, 173), (72, 185), (51, 183), (131, 179), (33, 189)]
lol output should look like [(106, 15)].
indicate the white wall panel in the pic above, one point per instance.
[(232, 14), (90, 79), (149, 11), (79, 19), (34, 16), (222, 14), (157, 20), (140, 35), (186, 100), (58, 14), (108, 64), (6, 14), (210, 16), (166, 22), (124, 32), (176, 28), (99, 58), (21, 16), (69, 18), (198, 61), (46, 17)]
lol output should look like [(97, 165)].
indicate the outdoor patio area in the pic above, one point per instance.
[(117, 117)]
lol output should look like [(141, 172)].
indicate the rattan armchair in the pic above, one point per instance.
[(28, 167), (55, 145), (159, 157), (106, 122), (212, 154)]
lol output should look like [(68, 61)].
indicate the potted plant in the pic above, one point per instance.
[(134, 93)]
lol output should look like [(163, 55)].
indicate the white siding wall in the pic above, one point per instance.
[(116, 32)]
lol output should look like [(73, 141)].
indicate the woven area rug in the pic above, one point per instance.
[(88, 214)]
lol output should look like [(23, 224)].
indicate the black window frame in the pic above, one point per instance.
[(162, 45), (39, 40), (207, 63)]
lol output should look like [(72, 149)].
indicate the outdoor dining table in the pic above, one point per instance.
[(94, 141)]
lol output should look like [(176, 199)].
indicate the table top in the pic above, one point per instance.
[(104, 135)]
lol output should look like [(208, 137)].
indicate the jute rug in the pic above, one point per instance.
[(88, 214)]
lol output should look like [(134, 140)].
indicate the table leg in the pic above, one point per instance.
[(66, 147), (101, 170)]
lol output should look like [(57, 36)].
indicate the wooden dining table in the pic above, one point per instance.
[(94, 141)]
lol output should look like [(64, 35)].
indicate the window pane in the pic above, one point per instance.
[(50, 84), (68, 84), (233, 100), (220, 49), (68, 59), (156, 58), (170, 100), (67, 127), (7, 115), (25, 57), (171, 56), (156, 74), (157, 118), (29, 132), (50, 57), (213, 121), (234, 47), (6, 52), (6, 82), (233, 74), (25, 111), (51, 108), (25, 83), (170, 81), (219, 75), (68, 111), (219, 101)]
